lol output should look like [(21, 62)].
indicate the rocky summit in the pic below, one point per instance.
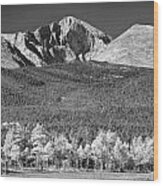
[(65, 41), (71, 40)]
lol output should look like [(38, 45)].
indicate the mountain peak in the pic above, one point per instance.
[(133, 47), (71, 22), (140, 26), (65, 41), (69, 18), (72, 38)]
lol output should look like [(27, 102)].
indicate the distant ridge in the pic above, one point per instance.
[(134, 47)]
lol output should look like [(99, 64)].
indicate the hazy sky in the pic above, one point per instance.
[(112, 18)]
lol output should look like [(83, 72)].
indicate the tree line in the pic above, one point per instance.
[(38, 149)]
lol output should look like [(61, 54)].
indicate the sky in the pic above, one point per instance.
[(111, 18)]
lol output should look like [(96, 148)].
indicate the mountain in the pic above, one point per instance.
[(64, 41), (134, 47), (64, 93), (7, 60), (72, 39)]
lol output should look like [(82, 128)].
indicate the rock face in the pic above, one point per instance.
[(65, 41), (134, 47), (72, 39), (7, 60)]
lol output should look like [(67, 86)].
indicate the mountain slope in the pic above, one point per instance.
[(78, 95), (7, 60), (134, 47), (57, 42)]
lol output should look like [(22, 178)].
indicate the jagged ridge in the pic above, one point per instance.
[(72, 39), (53, 43)]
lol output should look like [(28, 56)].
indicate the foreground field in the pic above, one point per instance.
[(86, 175)]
